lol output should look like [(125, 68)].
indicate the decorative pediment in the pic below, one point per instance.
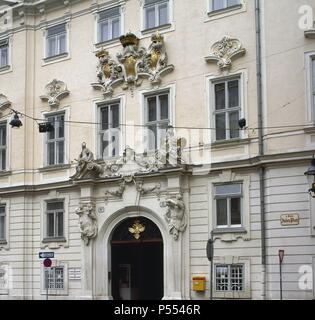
[(55, 91), (167, 156), (4, 103), (224, 51), (133, 64)]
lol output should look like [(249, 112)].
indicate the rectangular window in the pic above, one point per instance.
[(109, 133), (4, 53), (2, 223), (216, 5), (56, 40), (227, 109), (313, 86), (55, 219), (54, 278), (3, 146), (157, 118), (55, 140), (156, 13), (3, 279), (228, 200), (229, 277), (109, 24)]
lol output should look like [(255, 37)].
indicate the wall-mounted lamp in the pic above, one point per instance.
[(310, 173), (15, 121)]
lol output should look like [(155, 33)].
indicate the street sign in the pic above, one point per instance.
[(44, 255), (210, 249), (47, 263)]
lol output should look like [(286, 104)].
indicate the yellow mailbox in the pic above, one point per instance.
[(199, 283)]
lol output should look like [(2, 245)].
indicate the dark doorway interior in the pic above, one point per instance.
[(137, 264)]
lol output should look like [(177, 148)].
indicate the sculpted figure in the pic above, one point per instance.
[(85, 156)]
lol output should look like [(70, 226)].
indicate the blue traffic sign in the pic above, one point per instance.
[(45, 255)]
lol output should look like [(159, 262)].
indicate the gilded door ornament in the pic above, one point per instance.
[(224, 51), (87, 222), (55, 91), (136, 229)]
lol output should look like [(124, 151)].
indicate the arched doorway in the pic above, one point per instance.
[(137, 260)]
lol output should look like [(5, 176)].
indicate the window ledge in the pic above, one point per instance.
[(5, 173), (310, 129), (229, 230), (163, 26), (229, 143), (55, 167), (5, 68), (107, 42), (58, 239), (310, 34), (3, 242), (56, 57), (225, 10)]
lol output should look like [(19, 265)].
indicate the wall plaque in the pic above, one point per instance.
[(292, 219)]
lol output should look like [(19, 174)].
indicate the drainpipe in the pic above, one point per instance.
[(261, 143)]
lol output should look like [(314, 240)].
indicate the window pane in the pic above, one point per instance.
[(115, 116), (55, 206), (236, 278), (163, 14), (104, 118), (50, 225), (115, 28), (51, 134), (3, 135), (60, 28), (222, 212), (152, 133), (2, 159), (217, 4), (152, 109), (162, 128), (62, 43), (228, 189), (164, 107), (150, 17), (2, 227), (313, 73), (234, 128), (51, 46), (233, 94), (60, 126), (59, 278), (236, 211), (3, 57), (60, 146), (104, 31), (219, 96), (105, 144), (222, 278), (232, 2), (51, 153), (59, 224), (220, 126)]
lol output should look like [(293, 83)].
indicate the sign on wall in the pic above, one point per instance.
[(74, 274), (292, 219)]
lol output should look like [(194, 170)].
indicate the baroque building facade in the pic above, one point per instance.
[(149, 127)]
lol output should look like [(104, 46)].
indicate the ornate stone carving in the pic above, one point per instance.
[(4, 103), (116, 193), (224, 51), (87, 222), (133, 63), (175, 215), (145, 190), (55, 91)]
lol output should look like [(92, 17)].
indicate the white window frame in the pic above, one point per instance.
[(100, 131), (233, 260), (8, 67), (62, 56), (55, 292), (309, 57), (54, 212), (225, 7), (4, 149), (5, 45), (210, 96), (3, 214), (159, 121), (229, 277), (55, 141), (62, 242), (228, 197), (4, 245), (156, 12), (110, 21)]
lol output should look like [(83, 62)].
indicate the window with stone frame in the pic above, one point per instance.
[(109, 24), (4, 53), (54, 278), (55, 220), (3, 146), (313, 87), (109, 131), (55, 140), (2, 223), (229, 277), (56, 40), (227, 109), (228, 205), (218, 5), (155, 13), (157, 118)]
